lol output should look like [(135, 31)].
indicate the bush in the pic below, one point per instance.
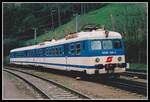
[(6, 60)]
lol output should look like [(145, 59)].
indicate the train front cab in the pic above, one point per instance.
[(107, 56)]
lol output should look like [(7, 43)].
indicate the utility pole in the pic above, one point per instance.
[(52, 12), (59, 20), (81, 8), (112, 22), (35, 33), (84, 8), (76, 22), (52, 19)]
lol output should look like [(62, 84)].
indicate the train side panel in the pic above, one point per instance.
[(87, 64)]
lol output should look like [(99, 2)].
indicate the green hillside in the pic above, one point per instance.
[(120, 13)]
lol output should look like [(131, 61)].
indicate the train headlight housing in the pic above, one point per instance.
[(119, 59), (97, 59)]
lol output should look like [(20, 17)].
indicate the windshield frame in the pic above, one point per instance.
[(112, 40)]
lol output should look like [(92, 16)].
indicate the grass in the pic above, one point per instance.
[(6, 60), (136, 66)]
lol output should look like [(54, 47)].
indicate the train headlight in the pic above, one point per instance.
[(119, 58), (97, 59)]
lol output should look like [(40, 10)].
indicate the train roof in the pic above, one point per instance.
[(88, 35)]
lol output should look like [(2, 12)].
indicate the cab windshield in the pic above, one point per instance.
[(106, 44)]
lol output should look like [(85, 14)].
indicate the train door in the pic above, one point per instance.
[(66, 55)]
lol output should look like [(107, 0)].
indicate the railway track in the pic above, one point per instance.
[(132, 86), (48, 88), (128, 85), (140, 75)]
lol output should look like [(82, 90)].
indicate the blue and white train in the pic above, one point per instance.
[(93, 52)]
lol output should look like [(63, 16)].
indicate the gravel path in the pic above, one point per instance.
[(95, 90), (14, 88)]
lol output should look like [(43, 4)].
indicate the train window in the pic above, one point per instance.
[(37, 52), (66, 49), (60, 52), (96, 45), (32, 52), (59, 49), (11, 55), (107, 44), (78, 48), (72, 49), (50, 51), (72, 46), (57, 52), (46, 51), (16, 54), (83, 45), (40, 52), (28, 53), (117, 44), (20, 54), (53, 51)]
